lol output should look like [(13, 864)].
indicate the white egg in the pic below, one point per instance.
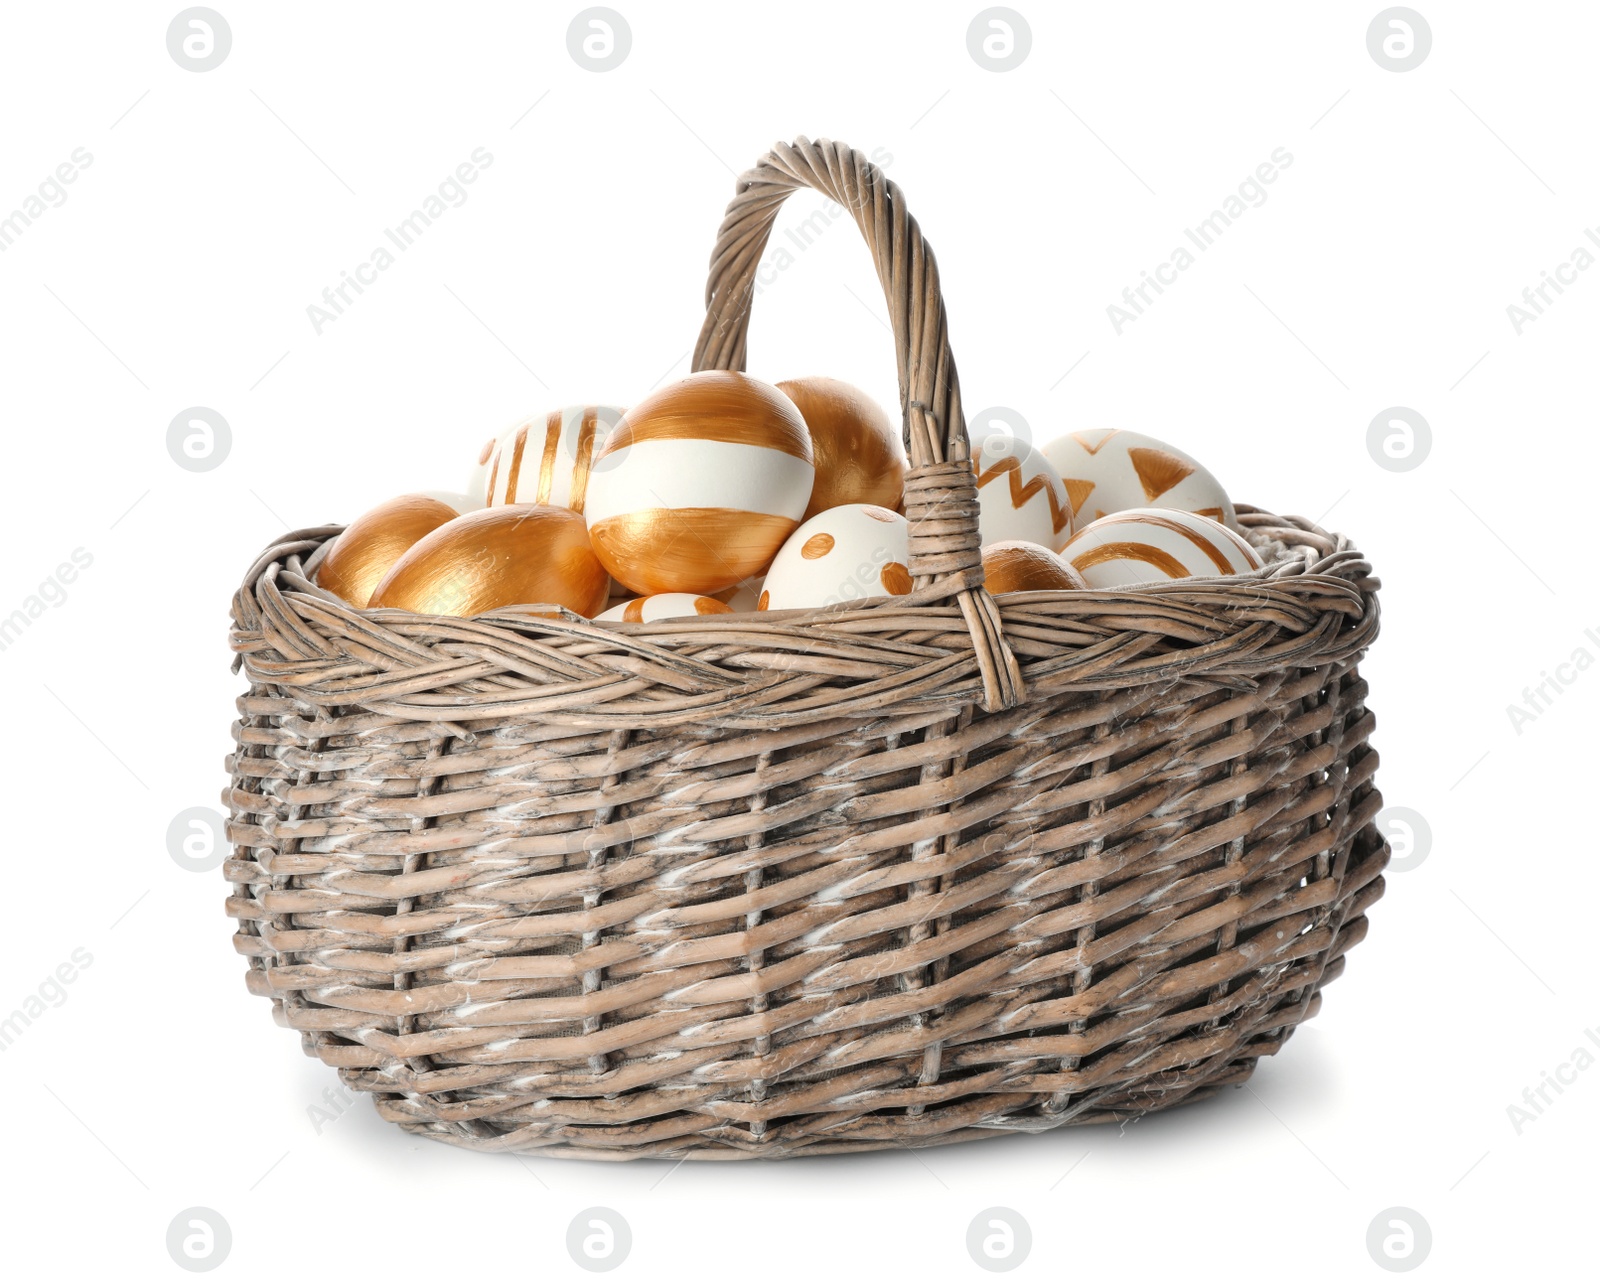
[(1148, 544), (1108, 470), (547, 458), (1020, 496), (652, 609), (846, 553)]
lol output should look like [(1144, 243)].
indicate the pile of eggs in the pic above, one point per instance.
[(724, 494)]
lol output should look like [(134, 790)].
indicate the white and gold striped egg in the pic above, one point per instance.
[(1149, 544), (699, 484), (1020, 496), (652, 609), (544, 459), (852, 552), (1109, 470)]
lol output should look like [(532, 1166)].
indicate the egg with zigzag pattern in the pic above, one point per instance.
[(1020, 496)]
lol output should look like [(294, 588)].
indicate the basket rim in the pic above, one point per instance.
[(1314, 604)]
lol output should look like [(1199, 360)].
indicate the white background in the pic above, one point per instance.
[(219, 205)]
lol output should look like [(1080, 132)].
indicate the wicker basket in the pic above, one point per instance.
[(928, 869)]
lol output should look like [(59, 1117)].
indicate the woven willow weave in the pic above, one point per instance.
[(931, 868)]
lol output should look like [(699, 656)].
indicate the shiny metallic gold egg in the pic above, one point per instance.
[(855, 447), (498, 556), (358, 558), (1012, 565)]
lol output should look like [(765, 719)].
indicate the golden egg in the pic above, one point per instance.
[(1012, 565), (855, 448), (358, 558), (498, 556), (699, 484)]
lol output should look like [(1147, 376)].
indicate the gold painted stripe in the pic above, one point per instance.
[(688, 549), (547, 461), (580, 469), (1142, 552), (1214, 553), (1094, 449), (517, 444), (494, 470)]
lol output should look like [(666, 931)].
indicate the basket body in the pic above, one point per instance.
[(927, 869), (916, 926)]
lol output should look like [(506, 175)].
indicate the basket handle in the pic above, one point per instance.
[(941, 492)]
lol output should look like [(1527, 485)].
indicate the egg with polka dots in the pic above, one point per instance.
[(661, 606), (849, 553)]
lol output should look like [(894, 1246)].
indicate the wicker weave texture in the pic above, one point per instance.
[(929, 869)]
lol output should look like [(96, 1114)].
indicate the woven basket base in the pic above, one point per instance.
[(1236, 1075)]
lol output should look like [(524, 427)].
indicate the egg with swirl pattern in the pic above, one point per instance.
[(1151, 544)]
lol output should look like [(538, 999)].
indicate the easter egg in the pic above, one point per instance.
[(499, 556), (1015, 566), (358, 558), (846, 553), (1020, 496), (1147, 544), (699, 484), (855, 448), (1108, 470), (652, 609), (547, 458)]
